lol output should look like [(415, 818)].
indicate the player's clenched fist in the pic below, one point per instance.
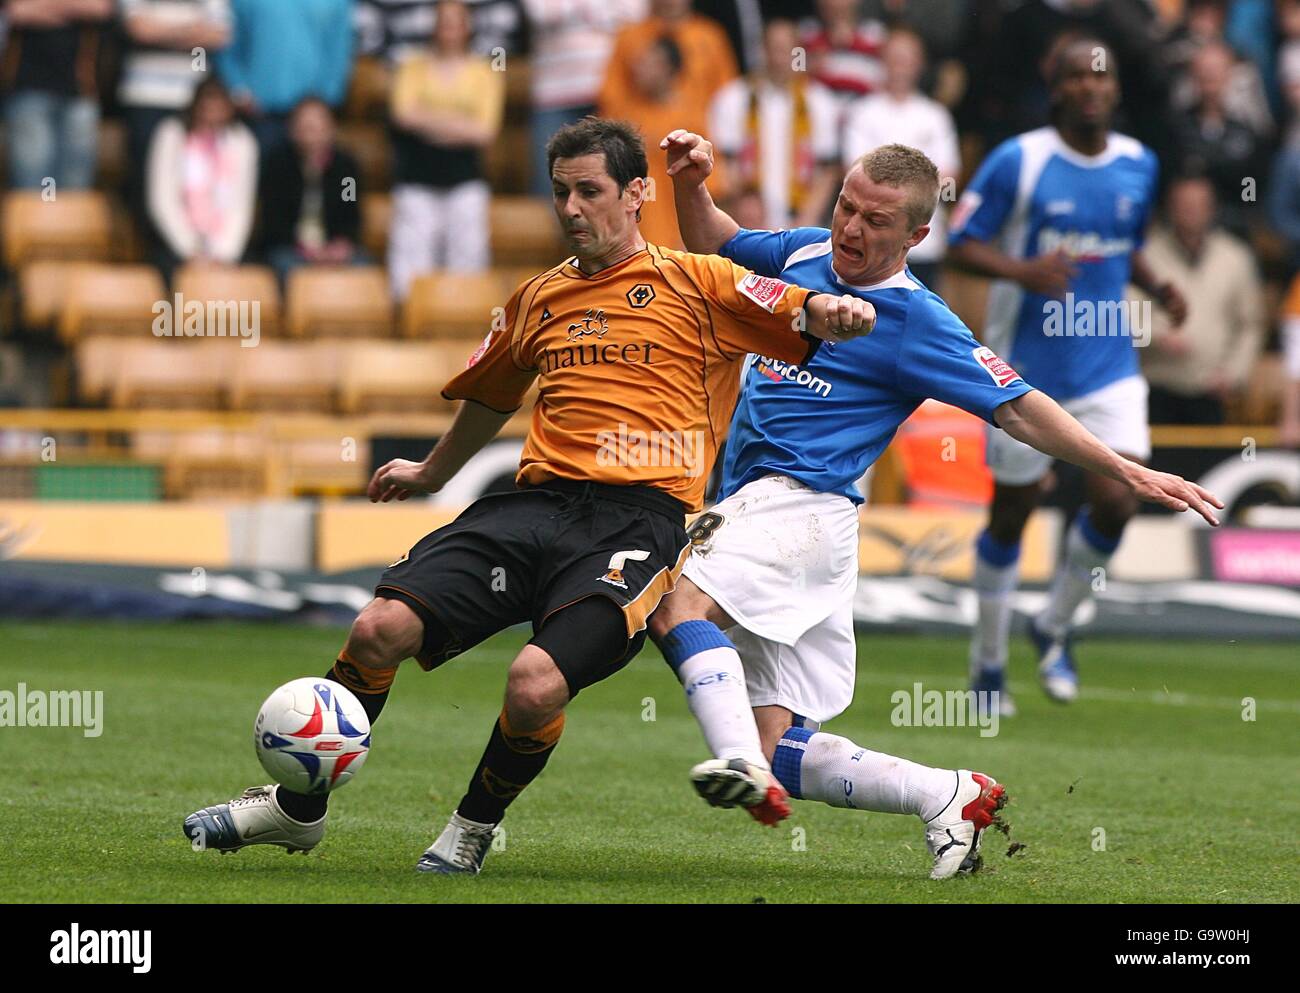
[(690, 156), (400, 478), (833, 318)]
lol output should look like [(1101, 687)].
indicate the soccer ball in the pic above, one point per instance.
[(312, 735)]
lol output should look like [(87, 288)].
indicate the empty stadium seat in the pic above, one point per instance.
[(75, 224), (525, 232), (108, 299), (98, 358), (376, 218), (286, 376), (173, 373), (507, 162), (114, 159), (339, 301), (234, 284), (454, 305), (371, 146), (405, 377), (42, 287)]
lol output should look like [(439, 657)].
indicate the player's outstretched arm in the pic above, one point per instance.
[(1048, 275), (705, 226), (475, 425), (1037, 420)]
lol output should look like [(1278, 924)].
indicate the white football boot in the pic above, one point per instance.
[(737, 783), (953, 835), (462, 847), (252, 818)]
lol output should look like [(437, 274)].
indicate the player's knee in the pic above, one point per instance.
[(1111, 516), (535, 690), (384, 633), (660, 623)]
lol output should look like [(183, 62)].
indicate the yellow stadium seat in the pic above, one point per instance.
[(173, 373), (286, 376), (508, 161), (339, 301), (454, 305), (241, 285), (376, 219), (398, 377), (42, 287), (74, 224), (98, 359), (525, 232), (370, 145), (109, 299)]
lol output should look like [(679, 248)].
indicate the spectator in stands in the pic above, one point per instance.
[(1287, 61), (281, 52), (1210, 141), (392, 29), (52, 102), (1284, 183), (1241, 87), (778, 136), (201, 186), (900, 113), (657, 106), (707, 60), (844, 51), (161, 70), (571, 45), (446, 109), (1194, 371), (310, 200)]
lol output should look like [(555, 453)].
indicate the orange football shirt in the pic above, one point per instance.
[(639, 365)]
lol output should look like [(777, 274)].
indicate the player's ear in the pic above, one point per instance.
[(636, 191), (917, 236)]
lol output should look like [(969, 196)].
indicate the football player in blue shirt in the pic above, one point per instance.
[(1057, 217), (776, 559)]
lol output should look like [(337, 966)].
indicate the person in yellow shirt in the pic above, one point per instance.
[(446, 108), (638, 352)]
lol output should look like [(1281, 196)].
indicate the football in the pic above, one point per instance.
[(312, 735)]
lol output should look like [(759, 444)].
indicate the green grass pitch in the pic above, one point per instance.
[(1196, 804)]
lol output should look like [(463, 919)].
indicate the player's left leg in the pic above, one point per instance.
[(1089, 544), (577, 646), (1117, 415)]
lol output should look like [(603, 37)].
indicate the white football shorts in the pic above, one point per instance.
[(783, 563), (1116, 414)]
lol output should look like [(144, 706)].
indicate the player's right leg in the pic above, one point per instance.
[(383, 634), (1019, 473), (687, 627)]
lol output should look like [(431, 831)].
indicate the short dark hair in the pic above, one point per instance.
[(619, 141)]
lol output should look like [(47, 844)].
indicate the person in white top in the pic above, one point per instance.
[(901, 113), (571, 43), (777, 134), (201, 186)]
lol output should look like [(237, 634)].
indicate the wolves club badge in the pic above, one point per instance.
[(592, 323), (1001, 373)]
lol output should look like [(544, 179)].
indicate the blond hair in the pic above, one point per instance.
[(904, 167)]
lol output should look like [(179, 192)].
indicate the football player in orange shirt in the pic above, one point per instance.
[(638, 350)]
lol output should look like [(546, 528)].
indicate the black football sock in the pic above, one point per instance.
[(510, 762), (371, 688)]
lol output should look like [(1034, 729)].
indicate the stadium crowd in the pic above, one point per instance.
[(266, 132)]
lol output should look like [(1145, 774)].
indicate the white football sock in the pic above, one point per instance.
[(714, 680), (837, 772), (994, 585), (1073, 579)]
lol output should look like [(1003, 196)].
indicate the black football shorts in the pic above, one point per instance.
[(523, 556)]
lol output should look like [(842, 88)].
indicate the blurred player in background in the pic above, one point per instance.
[(1056, 216), (776, 560), (638, 351)]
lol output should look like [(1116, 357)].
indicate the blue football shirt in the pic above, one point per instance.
[(1034, 195), (824, 422)]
